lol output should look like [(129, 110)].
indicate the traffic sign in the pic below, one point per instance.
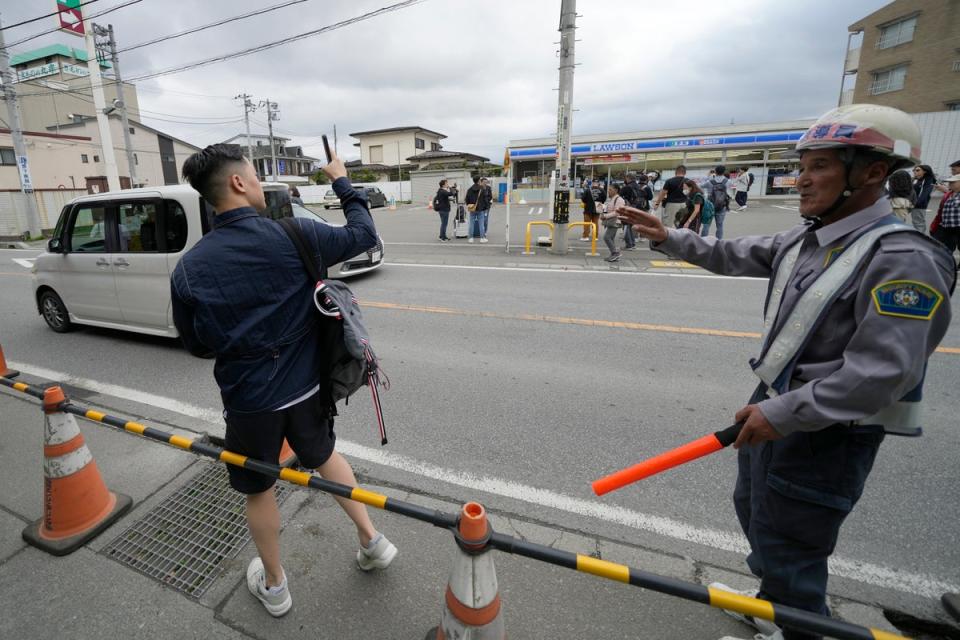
[(70, 16)]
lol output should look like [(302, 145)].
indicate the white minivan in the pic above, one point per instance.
[(109, 261)]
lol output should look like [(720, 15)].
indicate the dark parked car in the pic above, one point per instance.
[(375, 197)]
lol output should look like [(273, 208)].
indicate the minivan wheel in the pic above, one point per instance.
[(55, 312)]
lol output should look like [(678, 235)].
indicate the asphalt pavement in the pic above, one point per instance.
[(515, 380)]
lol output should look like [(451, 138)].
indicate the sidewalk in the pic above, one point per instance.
[(89, 595)]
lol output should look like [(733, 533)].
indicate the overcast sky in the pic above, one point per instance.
[(480, 72)]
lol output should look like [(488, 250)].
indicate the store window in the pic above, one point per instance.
[(782, 172)]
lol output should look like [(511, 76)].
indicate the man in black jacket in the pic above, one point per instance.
[(243, 294)]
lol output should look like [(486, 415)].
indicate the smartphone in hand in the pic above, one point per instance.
[(326, 148)]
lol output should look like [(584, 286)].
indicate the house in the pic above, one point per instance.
[(384, 151), (293, 166)]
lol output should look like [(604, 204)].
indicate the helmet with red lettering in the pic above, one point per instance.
[(885, 130)]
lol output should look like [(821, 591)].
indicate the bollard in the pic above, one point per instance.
[(530, 225), (472, 608), (77, 506)]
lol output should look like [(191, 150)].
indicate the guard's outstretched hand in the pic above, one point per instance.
[(756, 428), (644, 223)]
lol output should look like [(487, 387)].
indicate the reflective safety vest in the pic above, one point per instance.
[(781, 351)]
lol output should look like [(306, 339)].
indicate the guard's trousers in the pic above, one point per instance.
[(791, 497)]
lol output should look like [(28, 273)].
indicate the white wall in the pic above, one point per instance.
[(313, 194), (941, 139), (392, 154)]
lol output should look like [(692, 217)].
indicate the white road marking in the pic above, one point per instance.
[(787, 208), (864, 572), (575, 271), (26, 264), (539, 210), (530, 213)]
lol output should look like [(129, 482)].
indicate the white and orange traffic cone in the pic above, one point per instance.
[(77, 506), (472, 609), (5, 371)]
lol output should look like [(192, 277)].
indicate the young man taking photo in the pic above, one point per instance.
[(243, 294)]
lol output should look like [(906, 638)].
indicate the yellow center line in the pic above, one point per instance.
[(610, 324)]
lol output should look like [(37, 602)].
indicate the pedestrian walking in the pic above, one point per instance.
[(900, 189), (697, 204), (243, 295), (923, 181), (672, 198), (812, 429), (947, 230), (590, 213), (716, 192), (441, 204), (741, 187), (635, 196), (611, 221), (942, 186)]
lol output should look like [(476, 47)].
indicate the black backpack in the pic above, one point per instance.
[(718, 195), (352, 361), (750, 184), (634, 196)]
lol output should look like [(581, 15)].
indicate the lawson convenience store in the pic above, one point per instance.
[(765, 149)]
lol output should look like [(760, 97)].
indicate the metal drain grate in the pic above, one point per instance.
[(185, 540)]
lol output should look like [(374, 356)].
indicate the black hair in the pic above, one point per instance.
[(927, 173), (476, 179), (955, 164), (206, 170), (443, 182), (615, 187), (295, 192), (681, 168), (901, 185), (721, 170)]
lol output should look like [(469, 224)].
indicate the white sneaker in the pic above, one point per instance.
[(483, 240), (470, 240), (276, 600), (763, 626), (377, 555), (582, 239)]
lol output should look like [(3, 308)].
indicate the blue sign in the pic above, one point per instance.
[(282, 165), (601, 148)]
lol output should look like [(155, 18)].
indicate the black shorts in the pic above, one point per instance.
[(307, 426)]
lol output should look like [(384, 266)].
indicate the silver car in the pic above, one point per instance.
[(109, 261)]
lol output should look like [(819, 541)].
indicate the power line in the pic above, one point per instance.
[(49, 15), (277, 43), (85, 19), (245, 52), (211, 25)]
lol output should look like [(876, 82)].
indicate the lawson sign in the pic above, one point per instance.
[(630, 146)]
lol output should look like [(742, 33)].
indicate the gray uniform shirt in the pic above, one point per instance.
[(859, 360)]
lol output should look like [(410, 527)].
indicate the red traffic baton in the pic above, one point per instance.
[(669, 459)]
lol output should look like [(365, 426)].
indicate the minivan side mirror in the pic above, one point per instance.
[(54, 245)]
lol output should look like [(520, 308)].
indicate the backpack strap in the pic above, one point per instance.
[(296, 236)]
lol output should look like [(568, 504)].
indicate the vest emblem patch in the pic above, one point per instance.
[(906, 299)]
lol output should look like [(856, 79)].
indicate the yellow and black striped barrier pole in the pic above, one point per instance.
[(779, 614)]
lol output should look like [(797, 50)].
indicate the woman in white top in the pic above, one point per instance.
[(610, 221)]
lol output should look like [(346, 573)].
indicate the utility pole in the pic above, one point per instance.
[(19, 149), (111, 45), (248, 108), (335, 150), (273, 113), (100, 104), (561, 195)]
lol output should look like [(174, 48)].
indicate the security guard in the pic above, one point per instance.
[(857, 303)]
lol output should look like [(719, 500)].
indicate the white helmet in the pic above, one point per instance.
[(883, 129)]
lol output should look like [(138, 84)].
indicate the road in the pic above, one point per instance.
[(524, 378)]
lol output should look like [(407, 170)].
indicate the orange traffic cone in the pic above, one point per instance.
[(472, 610), (77, 506), (287, 457), (5, 371)]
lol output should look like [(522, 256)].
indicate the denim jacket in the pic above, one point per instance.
[(242, 293)]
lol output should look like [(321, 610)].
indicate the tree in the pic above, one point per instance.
[(363, 175), (320, 178)]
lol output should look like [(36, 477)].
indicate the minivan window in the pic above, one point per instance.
[(175, 227), (138, 227), (87, 231)]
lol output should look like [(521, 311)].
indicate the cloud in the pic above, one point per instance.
[(484, 72)]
